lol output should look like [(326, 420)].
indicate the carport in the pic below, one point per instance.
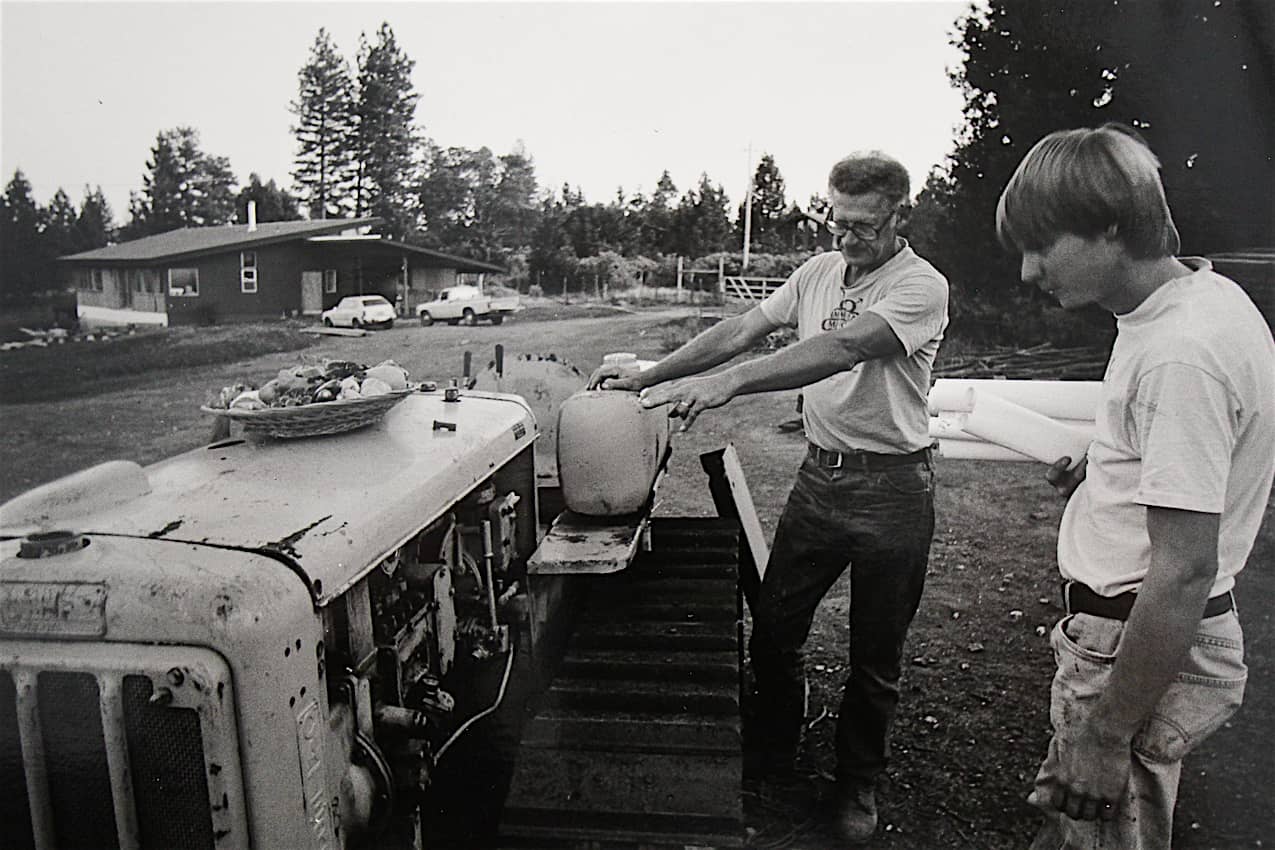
[(406, 274)]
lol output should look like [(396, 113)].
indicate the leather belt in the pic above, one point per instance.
[(866, 461), (1079, 599)]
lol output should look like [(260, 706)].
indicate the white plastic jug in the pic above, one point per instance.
[(609, 451)]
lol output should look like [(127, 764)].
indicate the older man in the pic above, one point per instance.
[(869, 317)]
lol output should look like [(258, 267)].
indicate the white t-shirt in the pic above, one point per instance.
[(879, 405), (1187, 421)]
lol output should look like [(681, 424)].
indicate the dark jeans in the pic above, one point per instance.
[(878, 523)]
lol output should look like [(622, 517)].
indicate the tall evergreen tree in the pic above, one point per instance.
[(446, 193), (21, 257), (95, 223), (771, 229), (700, 223), (552, 260), (183, 187), (57, 226), (1177, 72), (657, 217), (387, 138), (514, 202), (324, 130)]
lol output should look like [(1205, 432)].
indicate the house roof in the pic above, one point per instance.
[(194, 241), (463, 264)]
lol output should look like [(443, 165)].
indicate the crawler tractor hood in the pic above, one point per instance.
[(306, 500)]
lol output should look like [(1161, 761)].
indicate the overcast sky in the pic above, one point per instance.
[(603, 95)]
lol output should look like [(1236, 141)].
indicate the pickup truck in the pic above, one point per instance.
[(465, 305)]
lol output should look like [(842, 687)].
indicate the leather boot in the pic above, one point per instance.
[(854, 811)]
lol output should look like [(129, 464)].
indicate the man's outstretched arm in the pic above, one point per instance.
[(869, 337)]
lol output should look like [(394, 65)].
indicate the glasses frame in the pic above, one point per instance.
[(862, 231)]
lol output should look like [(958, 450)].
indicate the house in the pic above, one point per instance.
[(232, 273)]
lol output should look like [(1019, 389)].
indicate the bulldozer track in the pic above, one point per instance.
[(636, 743)]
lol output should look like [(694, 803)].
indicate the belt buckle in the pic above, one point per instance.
[(840, 459)]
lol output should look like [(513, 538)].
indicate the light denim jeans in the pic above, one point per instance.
[(1203, 696)]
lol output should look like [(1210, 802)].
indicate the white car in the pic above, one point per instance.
[(360, 311)]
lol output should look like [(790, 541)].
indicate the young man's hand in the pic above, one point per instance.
[(1063, 479), (611, 376), (1084, 778)]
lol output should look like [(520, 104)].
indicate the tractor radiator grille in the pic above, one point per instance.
[(103, 757)]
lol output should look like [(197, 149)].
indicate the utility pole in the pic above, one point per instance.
[(748, 208)]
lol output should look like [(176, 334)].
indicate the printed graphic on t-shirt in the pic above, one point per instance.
[(843, 313)]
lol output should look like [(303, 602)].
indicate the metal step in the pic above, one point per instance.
[(673, 698), (659, 636), (639, 732), (636, 743), (642, 663)]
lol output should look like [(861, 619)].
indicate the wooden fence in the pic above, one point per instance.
[(735, 286)]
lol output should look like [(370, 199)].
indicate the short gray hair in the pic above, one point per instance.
[(871, 171)]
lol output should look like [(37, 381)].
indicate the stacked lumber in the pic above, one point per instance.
[(1036, 362)]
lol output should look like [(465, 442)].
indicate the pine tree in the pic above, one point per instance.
[(21, 257), (771, 229), (514, 202), (95, 224), (388, 142), (700, 223), (1176, 72), (325, 131), (656, 215), (183, 187), (57, 226)]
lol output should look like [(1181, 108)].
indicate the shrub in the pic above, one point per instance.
[(86, 368)]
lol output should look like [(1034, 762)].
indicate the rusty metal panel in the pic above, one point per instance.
[(181, 679), (579, 545), (247, 608), (307, 499)]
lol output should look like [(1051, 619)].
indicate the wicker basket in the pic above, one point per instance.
[(312, 420)]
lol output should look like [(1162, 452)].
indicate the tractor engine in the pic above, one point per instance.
[(262, 643)]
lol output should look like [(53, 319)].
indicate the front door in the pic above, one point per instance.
[(311, 293)]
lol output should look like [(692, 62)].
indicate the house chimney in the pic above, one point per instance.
[(252, 216)]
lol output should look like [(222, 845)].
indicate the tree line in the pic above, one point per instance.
[(1196, 78)]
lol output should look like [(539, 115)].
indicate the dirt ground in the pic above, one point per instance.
[(973, 723)]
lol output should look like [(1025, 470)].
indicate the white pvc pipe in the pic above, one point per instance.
[(969, 450), (947, 425), (1055, 399), (1007, 424)]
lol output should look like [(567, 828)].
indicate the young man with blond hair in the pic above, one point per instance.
[(1163, 512), (869, 316)]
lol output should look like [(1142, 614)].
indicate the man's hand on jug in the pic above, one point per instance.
[(613, 376)]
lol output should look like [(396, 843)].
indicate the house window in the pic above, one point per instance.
[(329, 281), (183, 282), (248, 271), (95, 280)]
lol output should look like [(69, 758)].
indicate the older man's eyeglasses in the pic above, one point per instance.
[(861, 230)]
